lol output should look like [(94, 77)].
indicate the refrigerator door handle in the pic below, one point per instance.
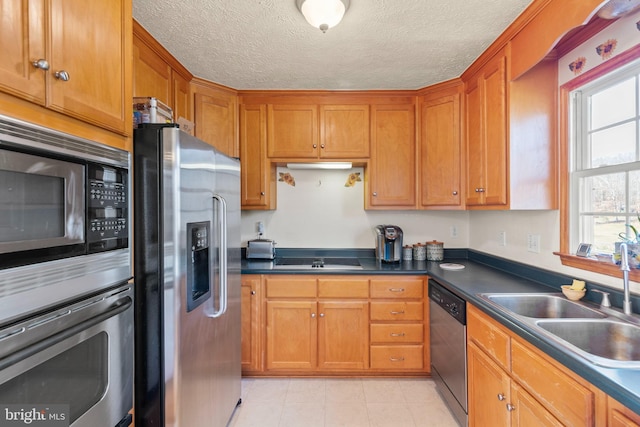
[(222, 226)]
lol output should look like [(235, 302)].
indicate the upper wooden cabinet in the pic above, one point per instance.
[(344, 131), (390, 181), (158, 74), (257, 173), (216, 116), (70, 56), (439, 148), (292, 131), (486, 129), (299, 131)]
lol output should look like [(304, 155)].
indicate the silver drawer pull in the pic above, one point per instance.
[(396, 289), (397, 359), (398, 312), (501, 396), (393, 334), (510, 407)]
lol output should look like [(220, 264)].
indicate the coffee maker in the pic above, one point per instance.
[(388, 243)]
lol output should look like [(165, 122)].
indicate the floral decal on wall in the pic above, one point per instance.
[(605, 50), (578, 65), (287, 178), (352, 179)]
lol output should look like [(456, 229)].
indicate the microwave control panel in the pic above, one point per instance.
[(107, 208)]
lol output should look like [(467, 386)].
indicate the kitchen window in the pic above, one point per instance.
[(600, 141), (605, 175)]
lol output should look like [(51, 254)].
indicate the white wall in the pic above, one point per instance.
[(320, 212)]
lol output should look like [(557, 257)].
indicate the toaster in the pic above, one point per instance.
[(261, 249)]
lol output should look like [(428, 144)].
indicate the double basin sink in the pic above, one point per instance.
[(603, 336)]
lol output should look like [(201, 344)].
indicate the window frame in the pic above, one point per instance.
[(565, 142)]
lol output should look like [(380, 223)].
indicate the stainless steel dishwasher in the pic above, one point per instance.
[(448, 330)]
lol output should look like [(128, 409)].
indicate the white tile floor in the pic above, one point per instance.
[(301, 402)]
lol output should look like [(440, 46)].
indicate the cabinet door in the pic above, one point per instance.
[(440, 154), (291, 335), (343, 335), (22, 41), (475, 149), (495, 123), (344, 131), (151, 74), (181, 97), (621, 416), (526, 411), (292, 131), (392, 182), (489, 391), (215, 121), (88, 42), (250, 327), (257, 175)]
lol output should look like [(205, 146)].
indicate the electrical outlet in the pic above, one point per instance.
[(533, 243), (453, 231), (502, 238), (260, 226)]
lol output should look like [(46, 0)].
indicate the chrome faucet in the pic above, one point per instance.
[(624, 266)]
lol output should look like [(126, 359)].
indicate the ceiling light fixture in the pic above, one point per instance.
[(322, 165), (323, 14)]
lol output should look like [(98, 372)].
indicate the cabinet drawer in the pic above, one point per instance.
[(564, 397), (397, 310), (397, 288), (397, 357), (293, 287), (489, 336), (343, 288), (397, 333)]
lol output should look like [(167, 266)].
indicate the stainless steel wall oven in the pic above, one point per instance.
[(66, 304)]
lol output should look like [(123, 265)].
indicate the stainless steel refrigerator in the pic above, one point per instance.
[(187, 280)]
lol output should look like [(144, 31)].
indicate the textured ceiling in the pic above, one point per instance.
[(380, 44)]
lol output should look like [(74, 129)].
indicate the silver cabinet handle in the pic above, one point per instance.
[(321, 314), (396, 289), (315, 145), (313, 315), (397, 312), (42, 64), (510, 407), (262, 193), (61, 75), (479, 190), (393, 334), (375, 194), (397, 359), (501, 396), (455, 193), (321, 145), (253, 292)]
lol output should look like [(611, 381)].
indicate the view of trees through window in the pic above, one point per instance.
[(605, 183)]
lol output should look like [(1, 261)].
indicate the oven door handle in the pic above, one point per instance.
[(69, 328), (222, 226)]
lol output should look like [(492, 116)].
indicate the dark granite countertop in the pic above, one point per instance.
[(488, 274)]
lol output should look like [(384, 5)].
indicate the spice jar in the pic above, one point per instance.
[(407, 253), (419, 252), (435, 251)]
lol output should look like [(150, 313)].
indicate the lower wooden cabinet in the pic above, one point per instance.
[(334, 325), (513, 383), (619, 415), (250, 309)]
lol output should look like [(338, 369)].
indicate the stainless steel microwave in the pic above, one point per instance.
[(54, 206), (64, 215)]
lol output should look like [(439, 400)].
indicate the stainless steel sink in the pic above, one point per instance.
[(604, 342), (543, 306)]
